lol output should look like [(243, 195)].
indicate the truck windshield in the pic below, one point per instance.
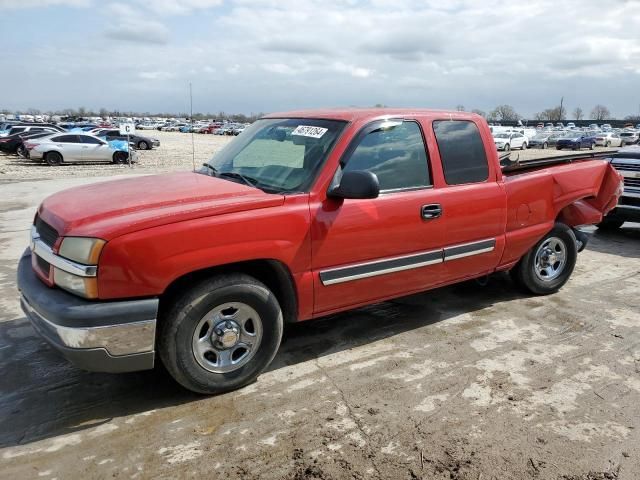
[(277, 154)]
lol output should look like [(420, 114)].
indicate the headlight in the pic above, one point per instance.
[(86, 287), (81, 249)]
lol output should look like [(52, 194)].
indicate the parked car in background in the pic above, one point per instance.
[(32, 127), (509, 140), (627, 162), (13, 143), (139, 142), (606, 126), (629, 137), (608, 139), (544, 140), (576, 141), (74, 147)]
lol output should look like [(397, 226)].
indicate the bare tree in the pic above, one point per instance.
[(504, 113), (555, 114), (578, 114), (460, 108), (477, 111), (600, 112)]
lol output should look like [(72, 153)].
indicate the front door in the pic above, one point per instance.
[(366, 250), (94, 149)]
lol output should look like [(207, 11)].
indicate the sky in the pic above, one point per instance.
[(249, 56)]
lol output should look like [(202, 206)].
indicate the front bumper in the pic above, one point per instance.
[(93, 335)]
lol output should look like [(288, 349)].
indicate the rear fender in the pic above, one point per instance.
[(589, 211)]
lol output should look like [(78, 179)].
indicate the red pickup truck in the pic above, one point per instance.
[(305, 214)]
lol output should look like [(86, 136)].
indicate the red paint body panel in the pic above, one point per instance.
[(159, 228)]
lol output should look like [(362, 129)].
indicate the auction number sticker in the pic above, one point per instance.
[(307, 131)]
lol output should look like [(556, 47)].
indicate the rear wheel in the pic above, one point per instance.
[(524, 146), (53, 159), (21, 151), (608, 144), (142, 145), (507, 148), (592, 146), (610, 224), (544, 146), (548, 265), (220, 334)]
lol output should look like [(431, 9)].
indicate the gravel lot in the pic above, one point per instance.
[(175, 153), (466, 382)]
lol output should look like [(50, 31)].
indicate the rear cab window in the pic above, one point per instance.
[(462, 151)]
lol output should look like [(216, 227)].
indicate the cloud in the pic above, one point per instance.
[(178, 7), (252, 55), (19, 4)]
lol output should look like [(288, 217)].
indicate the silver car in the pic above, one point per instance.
[(608, 139), (73, 147), (629, 137)]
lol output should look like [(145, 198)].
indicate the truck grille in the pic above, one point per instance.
[(631, 182), (47, 233), (633, 167)]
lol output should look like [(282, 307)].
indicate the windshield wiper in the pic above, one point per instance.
[(252, 182), (211, 169)]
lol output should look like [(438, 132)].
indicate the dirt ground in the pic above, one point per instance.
[(468, 382)]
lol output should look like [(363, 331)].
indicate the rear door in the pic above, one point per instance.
[(473, 202), (70, 147), (370, 249)]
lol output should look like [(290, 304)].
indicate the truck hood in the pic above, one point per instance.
[(113, 208)]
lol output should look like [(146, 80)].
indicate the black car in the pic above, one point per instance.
[(627, 162), (137, 141), (13, 143)]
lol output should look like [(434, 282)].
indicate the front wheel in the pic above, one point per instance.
[(548, 265), (592, 146), (524, 146), (142, 145), (545, 145), (608, 144), (507, 148), (220, 334), (120, 157)]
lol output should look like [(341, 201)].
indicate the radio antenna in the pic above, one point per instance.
[(193, 146)]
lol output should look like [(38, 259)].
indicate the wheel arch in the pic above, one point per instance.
[(273, 273)]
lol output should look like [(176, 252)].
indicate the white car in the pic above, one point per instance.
[(608, 139), (510, 140), (73, 147)]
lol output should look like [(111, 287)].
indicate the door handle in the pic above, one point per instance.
[(433, 210)]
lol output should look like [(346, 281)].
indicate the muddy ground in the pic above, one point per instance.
[(466, 382)]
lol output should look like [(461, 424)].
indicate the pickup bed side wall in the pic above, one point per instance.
[(168, 252), (576, 194)]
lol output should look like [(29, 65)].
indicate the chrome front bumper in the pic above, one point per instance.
[(96, 336)]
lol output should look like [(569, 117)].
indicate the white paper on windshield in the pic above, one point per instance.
[(307, 131)]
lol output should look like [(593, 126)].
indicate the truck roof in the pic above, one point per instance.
[(354, 114)]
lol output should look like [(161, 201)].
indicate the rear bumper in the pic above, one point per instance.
[(96, 336)]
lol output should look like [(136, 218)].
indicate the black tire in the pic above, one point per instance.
[(177, 327), (21, 151), (608, 144), (507, 148), (525, 272), (592, 146), (610, 224), (524, 146), (120, 157), (558, 148), (142, 145), (53, 159), (544, 146)]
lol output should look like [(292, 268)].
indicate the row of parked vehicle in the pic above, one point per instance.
[(215, 128), (569, 137), (55, 144)]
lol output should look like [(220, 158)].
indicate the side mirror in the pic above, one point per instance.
[(356, 185)]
